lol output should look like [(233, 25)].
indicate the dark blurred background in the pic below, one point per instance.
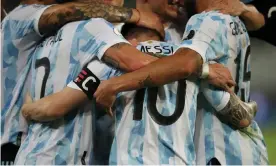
[(263, 63)]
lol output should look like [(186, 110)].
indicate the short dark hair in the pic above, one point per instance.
[(128, 29)]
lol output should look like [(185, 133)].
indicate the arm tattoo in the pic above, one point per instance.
[(58, 15), (111, 61), (148, 82)]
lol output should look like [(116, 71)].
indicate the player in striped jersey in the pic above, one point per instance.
[(210, 34), (20, 34), (153, 47), (87, 42), (23, 29), (216, 142)]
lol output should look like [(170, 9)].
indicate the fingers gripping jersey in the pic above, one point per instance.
[(224, 39), (56, 62), (19, 38)]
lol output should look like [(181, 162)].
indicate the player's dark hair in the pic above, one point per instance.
[(130, 29), (190, 6)]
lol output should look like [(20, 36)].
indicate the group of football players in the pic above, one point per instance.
[(89, 82)]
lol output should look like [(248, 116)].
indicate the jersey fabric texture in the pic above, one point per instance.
[(224, 39), (56, 62), (20, 36)]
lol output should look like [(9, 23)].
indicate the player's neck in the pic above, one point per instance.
[(201, 5)]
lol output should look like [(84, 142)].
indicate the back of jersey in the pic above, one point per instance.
[(56, 62), (156, 125), (213, 138)]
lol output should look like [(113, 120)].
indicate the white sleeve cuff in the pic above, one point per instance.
[(73, 86), (198, 46), (37, 17)]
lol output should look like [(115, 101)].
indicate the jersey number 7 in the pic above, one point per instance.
[(43, 62)]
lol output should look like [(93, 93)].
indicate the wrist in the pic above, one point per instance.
[(115, 85), (205, 70)]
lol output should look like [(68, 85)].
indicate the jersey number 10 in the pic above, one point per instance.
[(151, 105)]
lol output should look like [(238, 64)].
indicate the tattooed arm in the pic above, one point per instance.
[(58, 15), (184, 63)]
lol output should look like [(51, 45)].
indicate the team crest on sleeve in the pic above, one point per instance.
[(190, 35)]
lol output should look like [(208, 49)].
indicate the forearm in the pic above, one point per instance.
[(54, 106), (56, 16), (168, 69), (126, 57), (252, 18)]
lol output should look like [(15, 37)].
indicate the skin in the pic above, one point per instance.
[(54, 17)]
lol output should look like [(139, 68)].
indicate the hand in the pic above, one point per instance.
[(220, 77), (105, 96), (151, 20), (231, 7)]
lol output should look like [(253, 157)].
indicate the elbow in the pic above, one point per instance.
[(188, 70)]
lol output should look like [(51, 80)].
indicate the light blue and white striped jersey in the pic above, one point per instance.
[(134, 133), (156, 125), (224, 39), (19, 37), (172, 35), (57, 61)]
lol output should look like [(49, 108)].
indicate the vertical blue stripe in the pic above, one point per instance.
[(136, 138), (190, 150), (232, 148), (208, 138)]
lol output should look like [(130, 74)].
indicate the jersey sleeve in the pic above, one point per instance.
[(25, 19), (205, 34), (103, 35), (217, 98)]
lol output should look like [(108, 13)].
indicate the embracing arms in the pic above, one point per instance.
[(54, 17)]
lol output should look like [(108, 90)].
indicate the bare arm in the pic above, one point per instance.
[(126, 57), (252, 18), (182, 64), (58, 15), (54, 106)]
